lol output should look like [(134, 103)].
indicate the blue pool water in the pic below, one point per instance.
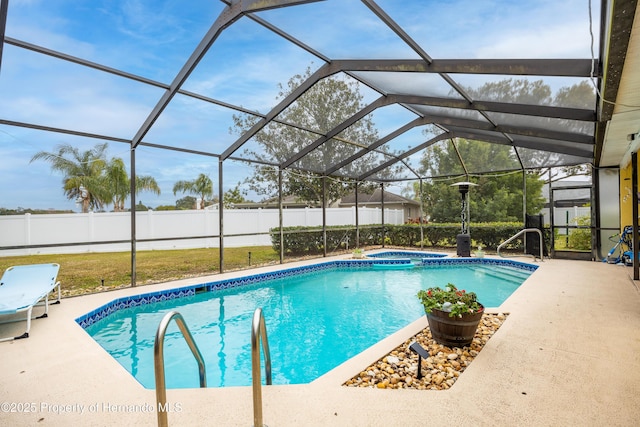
[(315, 321)]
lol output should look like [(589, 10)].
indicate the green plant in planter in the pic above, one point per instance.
[(450, 299)]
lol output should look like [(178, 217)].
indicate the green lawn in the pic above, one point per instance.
[(94, 272)]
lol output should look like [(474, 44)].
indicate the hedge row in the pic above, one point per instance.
[(309, 240)]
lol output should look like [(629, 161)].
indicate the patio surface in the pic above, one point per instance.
[(568, 354)]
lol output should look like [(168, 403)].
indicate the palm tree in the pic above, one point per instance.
[(119, 183), (83, 180), (201, 186)]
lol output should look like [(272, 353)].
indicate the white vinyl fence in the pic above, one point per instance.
[(565, 216), (70, 233)]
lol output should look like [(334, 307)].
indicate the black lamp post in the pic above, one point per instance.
[(463, 240)]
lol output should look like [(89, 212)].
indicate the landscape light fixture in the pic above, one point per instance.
[(422, 353)]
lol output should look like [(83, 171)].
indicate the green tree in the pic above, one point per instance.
[(324, 106), (522, 91), (495, 198), (83, 173), (233, 196), (166, 208), (201, 186), (500, 197), (119, 183), (187, 202)]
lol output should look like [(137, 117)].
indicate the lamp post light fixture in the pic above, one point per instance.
[(463, 240)]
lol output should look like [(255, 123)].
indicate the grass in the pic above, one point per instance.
[(94, 272), (561, 244)]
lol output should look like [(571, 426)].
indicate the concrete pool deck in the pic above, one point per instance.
[(568, 354)]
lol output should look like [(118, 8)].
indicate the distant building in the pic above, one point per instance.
[(411, 208)]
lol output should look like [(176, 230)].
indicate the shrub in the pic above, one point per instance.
[(309, 240), (580, 238)]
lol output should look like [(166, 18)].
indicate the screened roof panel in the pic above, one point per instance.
[(480, 135), (533, 159), (454, 113), (410, 139), (421, 84), (69, 96), (276, 143), (330, 28), (412, 163), (397, 172), (437, 160), (464, 29), (581, 128), (150, 39), (193, 124), (534, 90), (381, 167), (477, 160), (390, 118), (555, 146), (308, 109), (332, 152), (246, 66), (245, 79)]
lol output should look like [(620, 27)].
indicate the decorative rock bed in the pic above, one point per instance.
[(440, 371)]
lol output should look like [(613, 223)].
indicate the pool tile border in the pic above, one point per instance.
[(105, 310)]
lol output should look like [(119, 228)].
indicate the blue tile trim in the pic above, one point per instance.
[(481, 261), (103, 311)]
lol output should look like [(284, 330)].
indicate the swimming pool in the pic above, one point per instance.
[(317, 317)]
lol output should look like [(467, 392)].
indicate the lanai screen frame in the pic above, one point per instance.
[(578, 146)]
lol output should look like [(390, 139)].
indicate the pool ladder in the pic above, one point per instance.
[(258, 335), (259, 330), (158, 360), (518, 234)]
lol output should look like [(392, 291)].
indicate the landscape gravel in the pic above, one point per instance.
[(440, 370)]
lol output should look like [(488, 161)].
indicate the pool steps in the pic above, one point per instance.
[(505, 274)]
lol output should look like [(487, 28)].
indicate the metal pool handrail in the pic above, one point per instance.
[(524, 231), (158, 359), (258, 330)]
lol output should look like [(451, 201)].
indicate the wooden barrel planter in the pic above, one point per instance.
[(453, 331)]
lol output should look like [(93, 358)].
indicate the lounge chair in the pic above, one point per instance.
[(23, 287)]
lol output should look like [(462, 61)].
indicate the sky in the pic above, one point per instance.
[(244, 67)]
